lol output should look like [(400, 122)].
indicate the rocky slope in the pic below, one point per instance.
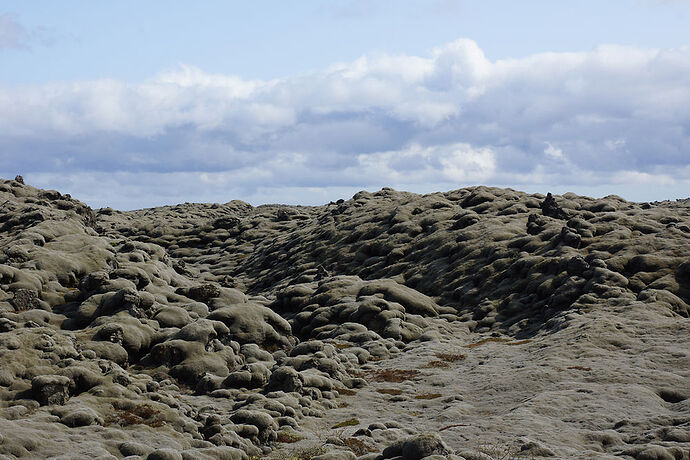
[(480, 323)]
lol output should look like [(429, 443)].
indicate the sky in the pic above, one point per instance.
[(138, 104)]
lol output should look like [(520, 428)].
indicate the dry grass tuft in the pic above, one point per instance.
[(308, 454), (487, 340), (428, 396), (295, 454), (346, 391), (271, 348), (392, 375), (501, 452), (288, 437), (142, 414), (580, 368), (454, 425), (389, 391), (451, 357), (350, 422), (437, 364), (498, 340), (358, 446)]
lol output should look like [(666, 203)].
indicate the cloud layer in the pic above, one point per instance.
[(611, 118)]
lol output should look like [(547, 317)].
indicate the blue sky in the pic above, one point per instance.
[(135, 104)]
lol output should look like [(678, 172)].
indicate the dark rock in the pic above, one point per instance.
[(133, 448), (25, 299), (202, 293), (93, 281), (81, 417), (164, 454), (227, 222), (285, 379), (50, 389), (7, 325), (535, 224), (655, 453), (550, 208), (336, 455), (569, 237), (577, 266), (423, 445), (321, 273), (211, 427)]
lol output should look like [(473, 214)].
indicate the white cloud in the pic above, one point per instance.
[(614, 144), (552, 151), (462, 163), (459, 65), (441, 163), (642, 178), (611, 116)]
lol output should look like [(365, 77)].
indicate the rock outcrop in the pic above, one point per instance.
[(477, 323)]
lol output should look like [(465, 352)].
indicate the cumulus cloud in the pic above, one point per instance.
[(554, 152), (610, 117), (428, 165)]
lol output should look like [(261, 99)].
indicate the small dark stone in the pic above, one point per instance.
[(363, 432), (594, 262), (127, 247), (321, 273), (7, 325), (202, 293), (52, 195), (570, 238), (284, 379), (535, 224), (336, 455), (181, 267), (226, 222), (133, 448), (212, 427), (577, 266), (423, 445), (80, 417), (339, 210), (164, 454), (93, 281), (672, 395)]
